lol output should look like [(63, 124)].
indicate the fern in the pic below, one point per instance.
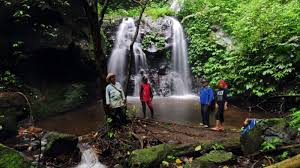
[(295, 122)]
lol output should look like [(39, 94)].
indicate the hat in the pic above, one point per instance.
[(109, 75), (204, 80)]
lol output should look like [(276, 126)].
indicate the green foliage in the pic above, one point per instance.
[(154, 9), (110, 134), (8, 81), (10, 158), (295, 119), (265, 35), (270, 144), (153, 39), (109, 120), (218, 146), (283, 156), (131, 112)]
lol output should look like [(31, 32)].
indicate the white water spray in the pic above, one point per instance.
[(89, 159)]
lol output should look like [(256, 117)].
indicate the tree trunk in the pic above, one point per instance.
[(292, 162), (91, 10), (131, 52)]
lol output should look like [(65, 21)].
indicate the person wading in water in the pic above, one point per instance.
[(206, 95), (146, 96), (115, 99), (221, 105)]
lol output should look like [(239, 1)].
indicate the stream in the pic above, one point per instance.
[(178, 109)]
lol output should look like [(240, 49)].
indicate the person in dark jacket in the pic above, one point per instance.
[(146, 96), (206, 95), (221, 105)]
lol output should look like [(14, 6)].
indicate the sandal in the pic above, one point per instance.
[(215, 129)]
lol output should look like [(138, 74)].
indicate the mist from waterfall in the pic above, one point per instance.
[(180, 59)]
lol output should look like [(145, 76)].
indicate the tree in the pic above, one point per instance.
[(91, 10), (131, 52)]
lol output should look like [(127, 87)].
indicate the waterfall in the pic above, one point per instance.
[(176, 5), (180, 59), (118, 59), (178, 78), (89, 158)]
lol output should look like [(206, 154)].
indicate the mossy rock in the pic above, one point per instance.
[(60, 144), (265, 130), (59, 98), (10, 158), (212, 159), (149, 157)]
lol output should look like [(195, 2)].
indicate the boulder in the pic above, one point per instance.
[(57, 99), (212, 159), (10, 158), (265, 130), (58, 144), (149, 157)]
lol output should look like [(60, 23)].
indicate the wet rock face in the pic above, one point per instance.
[(47, 38), (10, 158), (13, 108), (265, 131), (58, 98)]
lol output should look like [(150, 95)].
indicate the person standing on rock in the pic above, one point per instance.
[(146, 96), (115, 99), (221, 105), (206, 95)]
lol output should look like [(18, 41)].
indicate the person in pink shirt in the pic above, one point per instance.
[(146, 96)]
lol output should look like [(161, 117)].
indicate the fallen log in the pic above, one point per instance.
[(281, 148), (292, 162), (231, 145)]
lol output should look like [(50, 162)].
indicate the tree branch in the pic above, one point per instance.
[(131, 53), (102, 13)]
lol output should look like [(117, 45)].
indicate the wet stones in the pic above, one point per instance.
[(266, 130)]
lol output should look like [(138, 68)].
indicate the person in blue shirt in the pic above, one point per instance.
[(206, 95)]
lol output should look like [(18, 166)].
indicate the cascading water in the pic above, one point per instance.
[(140, 66), (177, 80), (180, 59), (118, 60), (176, 5), (89, 158)]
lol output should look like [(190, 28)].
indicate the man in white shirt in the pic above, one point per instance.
[(115, 99)]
